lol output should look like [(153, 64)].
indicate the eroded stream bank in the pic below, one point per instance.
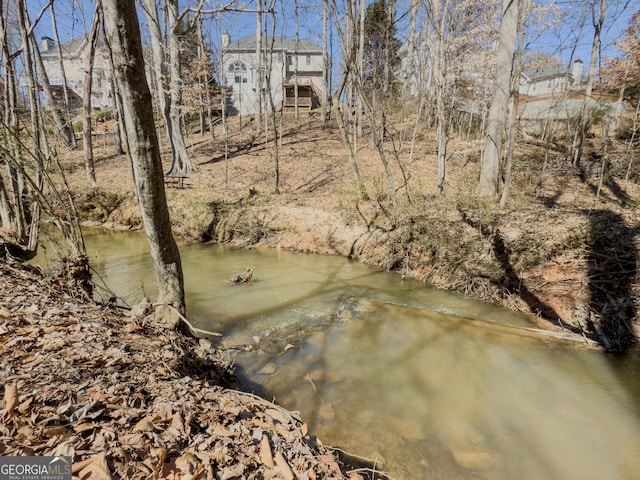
[(574, 270), (577, 274)]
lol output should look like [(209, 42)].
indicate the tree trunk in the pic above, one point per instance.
[(159, 69), (360, 111), (272, 109), (408, 82), (181, 163), (325, 60), (586, 106), (439, 12), (117, 121), (61, 128), (86, 98), (512, 128), (631, 142), (68, 125), (10, 209), (296, 61), (123, 34), (258, 79), (490, 168)]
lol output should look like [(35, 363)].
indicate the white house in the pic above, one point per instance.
[(240, 65), (550, 80), (73, 58)]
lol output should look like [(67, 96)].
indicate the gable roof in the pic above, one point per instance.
[(279, 44), (544, 72), (73, 46)]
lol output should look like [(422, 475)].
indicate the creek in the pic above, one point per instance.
[(390, 369)]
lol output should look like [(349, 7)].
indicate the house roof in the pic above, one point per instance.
[(279, 43), (74, 45), (545, 72)]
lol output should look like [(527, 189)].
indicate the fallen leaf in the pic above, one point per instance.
[(146, 424), (265, 452), (28, 433), (55, 430), (31, 309), (83, 427), (277, 415), (187, 463), (78, 466), (11, 399), (97, 469), (284, 467), (160, 454), (221, 431), (135, 441)]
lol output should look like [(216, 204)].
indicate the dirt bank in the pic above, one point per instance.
[(564, 249)]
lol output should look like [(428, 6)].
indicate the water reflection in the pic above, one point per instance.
[(391, 370)]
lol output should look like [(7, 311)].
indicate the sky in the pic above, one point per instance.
[(74, 18)]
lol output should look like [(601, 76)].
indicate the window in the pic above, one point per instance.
[(239, 71), (308, 59)]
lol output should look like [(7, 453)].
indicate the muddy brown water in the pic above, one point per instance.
[(388, 369)]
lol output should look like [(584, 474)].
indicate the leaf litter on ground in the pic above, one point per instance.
[(131, 399)]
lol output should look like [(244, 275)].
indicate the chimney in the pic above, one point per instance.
[(576, 72), (46, 44), (226, 38)]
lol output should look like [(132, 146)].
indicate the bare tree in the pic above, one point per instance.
[(325, 59), (411, 42), (490, 168), (259, 69), (168, 85), (30, 235), (271, 107), (296, 64), (70, 135), (86, 96), (181, 163), (512, 126), (123, 35), (439, 21), (584, 120), (28, 159), (62, 129)]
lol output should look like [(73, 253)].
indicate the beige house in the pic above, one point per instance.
[(551, 80), (74, 53), (240, 70)]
